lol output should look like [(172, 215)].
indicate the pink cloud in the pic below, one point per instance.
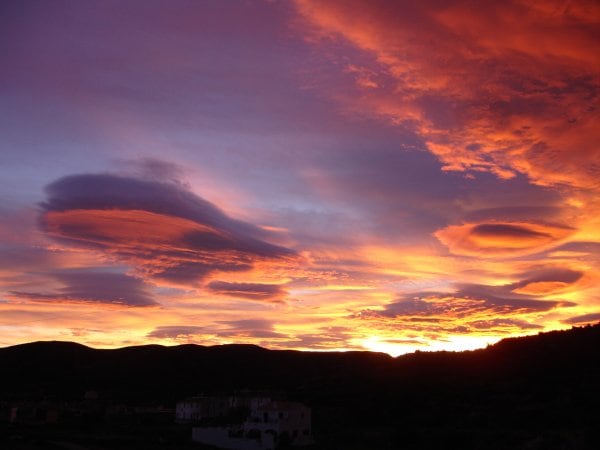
[(506, 88), (162, 229)]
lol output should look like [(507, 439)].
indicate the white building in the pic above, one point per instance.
[(203, 407), (268, 424), (232, 438), (284, 420)]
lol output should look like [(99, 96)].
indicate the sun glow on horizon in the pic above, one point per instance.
[(285, 175)]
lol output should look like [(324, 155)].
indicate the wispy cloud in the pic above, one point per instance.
[(231, 329), (583, 319), (252, 291), (506, 88), (89, 286), (470, 307)]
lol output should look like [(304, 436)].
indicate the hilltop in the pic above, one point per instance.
[(520, 391)]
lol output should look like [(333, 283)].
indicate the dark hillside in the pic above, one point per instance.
[(539, 391)]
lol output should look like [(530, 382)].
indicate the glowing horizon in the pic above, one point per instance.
[(345, 175)]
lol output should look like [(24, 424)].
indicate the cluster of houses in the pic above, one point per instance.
[(246, 421), (241, 421), (91, 408)]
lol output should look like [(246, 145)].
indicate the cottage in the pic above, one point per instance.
[(267, 424), (284, 420), (203, 407)]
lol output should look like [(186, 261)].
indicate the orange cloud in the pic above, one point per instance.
[(542, 287), (474, 310), (163, 230), (506, 88), (129, 228), (163, 247), (253, 291), (500, 238)]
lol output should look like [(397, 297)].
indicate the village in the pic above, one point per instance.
[(243, 420), (247, 421)]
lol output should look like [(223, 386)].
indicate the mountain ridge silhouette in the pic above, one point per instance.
[(167, 373), (533, 392)]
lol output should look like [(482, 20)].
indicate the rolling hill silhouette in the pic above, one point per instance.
[(539, 391)]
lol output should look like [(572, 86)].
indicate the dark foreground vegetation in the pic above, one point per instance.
[(537, 392)]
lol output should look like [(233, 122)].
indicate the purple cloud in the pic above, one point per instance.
[(468, 300), (163, 229), (583, 319), (472, 307), (244, 328), (253, 291), (88, 286)]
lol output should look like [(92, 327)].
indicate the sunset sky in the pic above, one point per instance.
[(325, 175)]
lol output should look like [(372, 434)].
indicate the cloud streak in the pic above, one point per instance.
[(583, 319), (471, 308), (163, 230), (88, 286), (230, 329), (501, 239), (251, 291)]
